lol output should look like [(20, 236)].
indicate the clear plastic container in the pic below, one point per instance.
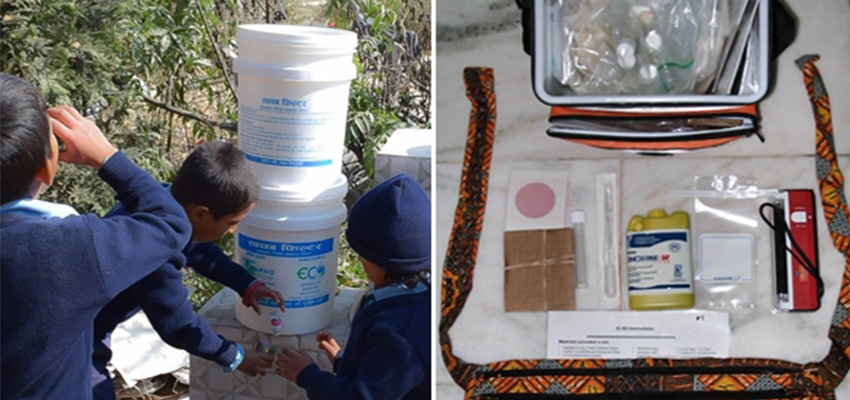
[(675, 59), (555, 82)]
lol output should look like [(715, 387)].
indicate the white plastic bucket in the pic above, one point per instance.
[(297, 256), (302, 201), (293, 101)]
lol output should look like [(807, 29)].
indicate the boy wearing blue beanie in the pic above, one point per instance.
[(388, 355)]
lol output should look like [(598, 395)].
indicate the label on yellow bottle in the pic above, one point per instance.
[(659, 262)]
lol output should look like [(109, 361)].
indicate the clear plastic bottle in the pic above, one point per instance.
[(679, 31), (647, 74), (578, 219), (625, 41), (659, 261)]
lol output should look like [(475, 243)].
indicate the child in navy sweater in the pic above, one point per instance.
[(58, 268), (388, 355), (217, 188)]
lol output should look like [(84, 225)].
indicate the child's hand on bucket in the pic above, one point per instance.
[(85, 143), (255, 363), (290, 363), (264, 291), (328, 344)]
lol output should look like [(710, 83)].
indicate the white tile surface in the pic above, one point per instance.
[(449, 391), (481, 332)]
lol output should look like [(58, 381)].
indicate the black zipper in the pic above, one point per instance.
[(646, 127), (707, 395), (648, 117), (744, 369), (624, 137)]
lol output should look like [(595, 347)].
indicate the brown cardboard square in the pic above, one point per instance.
[(539, 270), (524, 274), (560, 270)]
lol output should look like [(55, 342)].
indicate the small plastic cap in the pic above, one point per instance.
[(648, 73), (627, 61), (646, 17), (577, 217), (654, 42), (657, 213)]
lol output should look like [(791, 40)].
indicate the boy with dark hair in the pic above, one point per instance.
[(217, 188), (58, 268), (388, 355)]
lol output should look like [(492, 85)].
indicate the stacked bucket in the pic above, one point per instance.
[(293, 100)]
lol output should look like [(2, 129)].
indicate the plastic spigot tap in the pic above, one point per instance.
[(276, 322)]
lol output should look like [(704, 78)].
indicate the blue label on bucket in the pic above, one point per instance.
[(289, 304), (289, 250), (288, 163)]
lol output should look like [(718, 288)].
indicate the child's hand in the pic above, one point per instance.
[(255, 363), (84, 142), (328, 344), (290, 363), (264, 291)]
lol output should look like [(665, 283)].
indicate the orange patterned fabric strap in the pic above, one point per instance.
[(597, 376), (830, 178), (460, 260), (834, 200)]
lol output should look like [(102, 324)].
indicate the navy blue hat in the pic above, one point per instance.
[(390, 226)]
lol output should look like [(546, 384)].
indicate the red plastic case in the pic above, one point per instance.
[(796, 288)]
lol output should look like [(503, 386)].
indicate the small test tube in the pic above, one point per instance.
[(577, 218), (608, 256)]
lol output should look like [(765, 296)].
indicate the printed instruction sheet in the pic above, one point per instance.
[(632, 334)]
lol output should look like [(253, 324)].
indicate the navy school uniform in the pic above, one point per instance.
[(166, 303), (57, 273), (388, 353)]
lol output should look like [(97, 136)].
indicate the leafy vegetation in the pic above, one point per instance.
[(156, 76)]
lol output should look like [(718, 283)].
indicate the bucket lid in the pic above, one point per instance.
[(335, 192), (294, 35), (338, 73), (296, 223)]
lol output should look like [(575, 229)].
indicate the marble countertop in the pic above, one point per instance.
[(487, 33)]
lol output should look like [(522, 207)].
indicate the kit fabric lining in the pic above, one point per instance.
[(626, 128), (732, 378)]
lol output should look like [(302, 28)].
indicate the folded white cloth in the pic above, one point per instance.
[(138, 352)]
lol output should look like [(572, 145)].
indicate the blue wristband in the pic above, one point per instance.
[(240, 355)]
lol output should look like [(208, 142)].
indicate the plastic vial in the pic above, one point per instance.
[(648, 74), (577, 218), (654, 43), (626, 58)]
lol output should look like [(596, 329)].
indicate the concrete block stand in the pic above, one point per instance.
[(209, 382)]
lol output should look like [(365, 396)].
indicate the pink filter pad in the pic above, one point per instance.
[(537, 200)]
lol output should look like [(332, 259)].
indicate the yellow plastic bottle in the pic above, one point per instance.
[(659, 261)]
